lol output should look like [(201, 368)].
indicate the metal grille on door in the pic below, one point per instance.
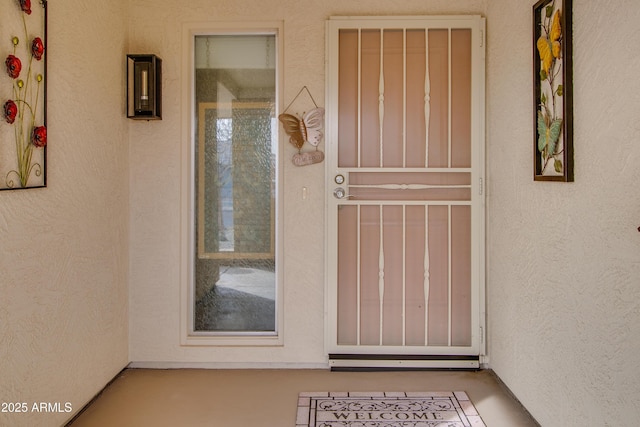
[(402, 207)]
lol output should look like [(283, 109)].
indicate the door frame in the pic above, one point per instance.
[(478, 347)]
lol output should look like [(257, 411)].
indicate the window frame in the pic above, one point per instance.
[(189, 337)]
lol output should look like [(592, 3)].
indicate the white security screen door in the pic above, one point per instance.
[(405, 164)]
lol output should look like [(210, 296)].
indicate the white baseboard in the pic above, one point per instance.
[(225, 365)]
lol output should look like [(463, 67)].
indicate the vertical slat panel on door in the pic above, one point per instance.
[(417, 78), (439, 119), (348, 276), (461, 275), (369, 275), (438, 310), (348, 151), (393, 303), (461, 98), (369, 106), (415, 275), (393, 96)]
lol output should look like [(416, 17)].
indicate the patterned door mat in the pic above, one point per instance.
[(387, 409)]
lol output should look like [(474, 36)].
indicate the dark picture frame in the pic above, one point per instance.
[(553, 91), (23, 95)]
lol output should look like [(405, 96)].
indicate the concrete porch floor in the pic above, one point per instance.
[(268, 398)]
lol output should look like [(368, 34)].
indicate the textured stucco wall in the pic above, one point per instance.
[(64, 248), (563, 263), (564, 259), (156, 174)]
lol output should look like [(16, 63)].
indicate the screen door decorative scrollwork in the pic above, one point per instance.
[(405, 154)]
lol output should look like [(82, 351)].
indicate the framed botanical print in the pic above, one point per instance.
[(553, 91)]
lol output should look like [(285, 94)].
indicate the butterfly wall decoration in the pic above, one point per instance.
[(306, 129), (553, 91), (309, 128)]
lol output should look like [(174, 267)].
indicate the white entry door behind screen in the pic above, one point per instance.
[(405, 164)]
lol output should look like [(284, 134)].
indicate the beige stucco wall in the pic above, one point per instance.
[(563, 264), (564, 259), (64, 248), (156, 174)]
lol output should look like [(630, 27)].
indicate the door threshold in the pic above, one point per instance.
[(366, 362)]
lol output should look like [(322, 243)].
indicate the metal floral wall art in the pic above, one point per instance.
[(23, 132), (553, 92)]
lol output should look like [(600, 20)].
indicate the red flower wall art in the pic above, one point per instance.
[(23, 129)]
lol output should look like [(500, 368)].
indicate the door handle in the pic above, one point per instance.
[(339, 193)]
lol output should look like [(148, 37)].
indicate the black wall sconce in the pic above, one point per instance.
[(144, 80)]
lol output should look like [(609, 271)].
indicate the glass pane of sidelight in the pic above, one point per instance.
[(235, 181)]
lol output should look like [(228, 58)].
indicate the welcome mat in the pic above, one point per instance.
[(387, 409)]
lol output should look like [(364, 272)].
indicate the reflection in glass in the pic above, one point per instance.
[(235, 286)]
